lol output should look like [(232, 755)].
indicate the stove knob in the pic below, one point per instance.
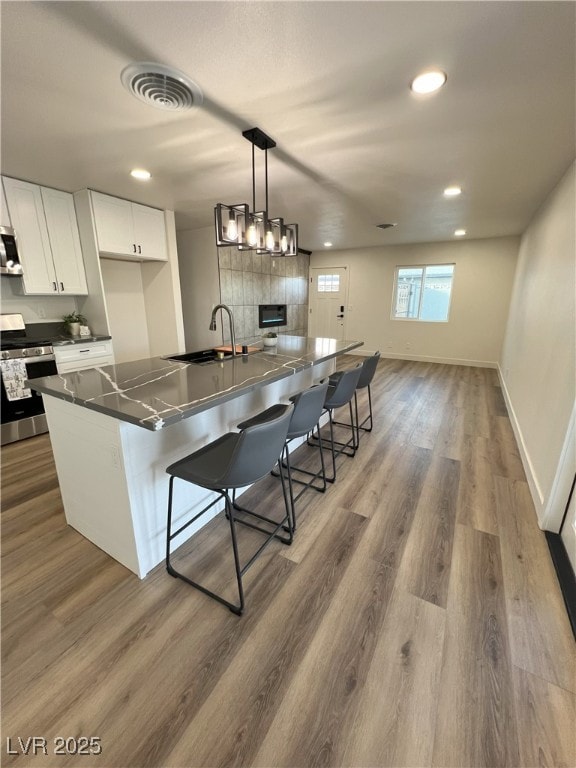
[(24, 353)]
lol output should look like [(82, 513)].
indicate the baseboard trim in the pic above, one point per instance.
[(533, 485), (565, 574), (425, 358)]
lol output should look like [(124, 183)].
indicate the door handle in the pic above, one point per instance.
[(339, 315)]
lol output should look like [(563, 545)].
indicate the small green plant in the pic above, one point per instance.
[(270, 335), (74, 317)]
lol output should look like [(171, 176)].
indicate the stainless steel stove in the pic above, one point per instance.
[(22, 357)]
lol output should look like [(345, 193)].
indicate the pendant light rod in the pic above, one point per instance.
[(253, 182), (266, 176)]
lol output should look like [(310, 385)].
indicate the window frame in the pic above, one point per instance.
[(423, 267)]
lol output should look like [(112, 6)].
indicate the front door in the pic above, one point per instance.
[(328, 299)]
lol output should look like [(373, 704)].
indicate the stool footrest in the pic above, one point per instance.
[(271, 534)]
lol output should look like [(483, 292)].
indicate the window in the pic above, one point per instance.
[(423, 293), (328, 283)]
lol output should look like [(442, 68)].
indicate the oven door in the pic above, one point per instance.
[(25, 417)]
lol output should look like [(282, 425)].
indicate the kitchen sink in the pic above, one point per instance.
[(203, 357)]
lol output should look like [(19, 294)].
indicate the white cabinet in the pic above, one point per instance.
[(64, 241), (49, 244), (76, 357), (4, 215), (129, 230)]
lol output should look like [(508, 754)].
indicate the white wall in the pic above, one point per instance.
[(474, 334), (538, 359), (122, 281), (161, 285), (200, 286), (34, 309)]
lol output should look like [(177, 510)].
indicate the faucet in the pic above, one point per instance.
[(212, 326)]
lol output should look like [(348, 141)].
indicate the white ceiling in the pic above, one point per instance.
[(329, 82)]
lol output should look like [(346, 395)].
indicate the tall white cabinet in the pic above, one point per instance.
[(48, 237), (132, 273)]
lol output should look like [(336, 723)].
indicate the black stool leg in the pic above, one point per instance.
[(237, 609)]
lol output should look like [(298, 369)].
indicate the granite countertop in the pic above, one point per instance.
[(157, 392), (64, 341)]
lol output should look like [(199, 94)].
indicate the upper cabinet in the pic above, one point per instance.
[(45, 223), (128, 230), (5, 220)]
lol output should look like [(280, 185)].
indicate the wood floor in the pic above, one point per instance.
[(415, 621)]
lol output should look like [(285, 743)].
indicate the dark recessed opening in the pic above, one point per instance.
[(271, 315)]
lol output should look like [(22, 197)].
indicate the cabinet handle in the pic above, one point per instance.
[(61, 286), (134, 246), (139, 249), (55, 286)]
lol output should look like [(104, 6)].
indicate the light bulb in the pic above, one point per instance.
[(252, 234), (232, 229), (284, 243), (269, 240)]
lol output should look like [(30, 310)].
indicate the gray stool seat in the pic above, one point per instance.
[(342, 386), (366, 375), (308, 407), (234, 460)]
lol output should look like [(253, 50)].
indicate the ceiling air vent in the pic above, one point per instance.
[(161, 87), (385, 226)]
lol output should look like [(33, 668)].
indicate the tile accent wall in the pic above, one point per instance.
[(248, 279)]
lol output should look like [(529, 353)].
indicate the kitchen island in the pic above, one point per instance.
[(116, 428)]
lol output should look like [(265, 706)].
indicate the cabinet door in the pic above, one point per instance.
[(114, 227), (65, 241), (149, 232), (4, 215), (77, 357), (27, 215)]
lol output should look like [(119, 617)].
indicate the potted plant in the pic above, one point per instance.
[(73, 321), (270, 339)]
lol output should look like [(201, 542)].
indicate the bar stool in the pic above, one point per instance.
[(308, 407), (367, 374), (230, 462), (341, 388)]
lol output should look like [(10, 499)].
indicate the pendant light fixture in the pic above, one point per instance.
[(255, 230)]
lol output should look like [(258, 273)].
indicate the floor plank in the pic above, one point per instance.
[(476, 714), (547, 718), (533, 608), (401, 691)]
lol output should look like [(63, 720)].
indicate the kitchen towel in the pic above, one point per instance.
[(14, 377)]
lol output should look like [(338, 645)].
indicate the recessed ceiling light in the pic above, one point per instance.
[(140, 173), (428, 82), (459, 232), (452, 191), (328, 245)]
